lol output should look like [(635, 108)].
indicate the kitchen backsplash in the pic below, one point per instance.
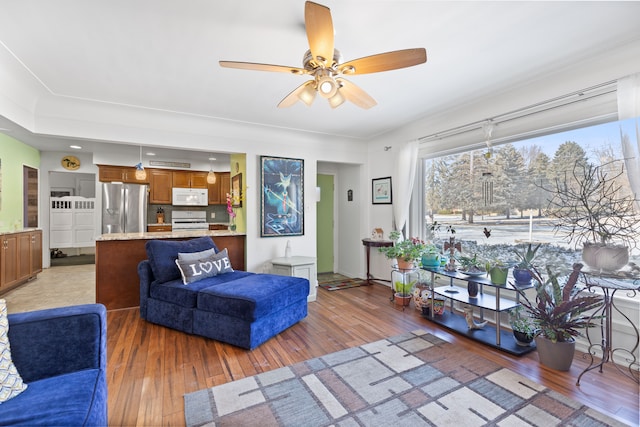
[(221, 215)]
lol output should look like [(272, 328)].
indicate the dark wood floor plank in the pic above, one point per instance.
[(143, 356)]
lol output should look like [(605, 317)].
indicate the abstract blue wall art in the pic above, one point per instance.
[(282, 200)]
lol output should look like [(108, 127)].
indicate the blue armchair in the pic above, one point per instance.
[(61, 354)]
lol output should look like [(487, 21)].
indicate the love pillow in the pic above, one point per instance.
[(193, 270)]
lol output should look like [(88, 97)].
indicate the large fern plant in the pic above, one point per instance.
[(559, 310)]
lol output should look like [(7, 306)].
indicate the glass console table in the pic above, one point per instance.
[(491, 335)]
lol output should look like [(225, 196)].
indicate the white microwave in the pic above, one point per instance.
[(190, 197)]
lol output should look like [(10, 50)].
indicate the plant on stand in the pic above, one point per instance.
[(521, 272), (403, 285), (591, 208), (406, 252), (498, 271), (559, 312), (231, 212), (472, 266), (522, 325)]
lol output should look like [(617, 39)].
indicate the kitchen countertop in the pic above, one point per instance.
[(22, 230), (166, 235), (169, 223)]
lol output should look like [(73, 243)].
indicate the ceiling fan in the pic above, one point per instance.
[(323, 62)]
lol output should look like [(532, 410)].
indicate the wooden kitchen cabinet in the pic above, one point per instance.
[(189, 179), (218, 226), (9, 261), (199, 179), (218, 191), (110, 173), (160, 184), (129, 176), (159, 227), (36, 251), (20, 258)]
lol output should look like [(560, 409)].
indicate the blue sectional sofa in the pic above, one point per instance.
[(61, 354), (237, 307)]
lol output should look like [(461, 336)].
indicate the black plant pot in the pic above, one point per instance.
[(522, 338)]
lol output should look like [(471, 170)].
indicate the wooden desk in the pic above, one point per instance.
[(371, 243)]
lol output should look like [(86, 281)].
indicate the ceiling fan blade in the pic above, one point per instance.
[(356, 95), (385, 61), (302, 93), (319, 26), (263, 67)]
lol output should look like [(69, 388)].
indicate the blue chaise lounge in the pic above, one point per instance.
[(61, 354), (237, 307)]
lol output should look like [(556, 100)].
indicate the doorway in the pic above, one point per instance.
[(325, 222), (30, 186)]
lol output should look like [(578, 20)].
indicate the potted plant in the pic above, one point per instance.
[(591, 208), (431, 256), (471, 265), (559, 312), (498, 271), (406, 251), (404, 289), (526, 256), (522, 325)]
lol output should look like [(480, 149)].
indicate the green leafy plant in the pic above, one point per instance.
[(526, 256), (521, 321), (410, 249), (471, 264), (559, 310), (404, 289)]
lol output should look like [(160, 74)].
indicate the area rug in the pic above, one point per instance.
[(344, 283), (414, 379)]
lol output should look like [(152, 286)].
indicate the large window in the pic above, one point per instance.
[(499, 196)]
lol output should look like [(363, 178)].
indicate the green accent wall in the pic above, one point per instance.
[(13, 156), (324, 224)]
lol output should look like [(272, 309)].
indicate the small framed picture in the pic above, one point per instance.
[(381, 191), (236, 190)]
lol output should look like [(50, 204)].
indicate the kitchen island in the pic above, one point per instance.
[(118, 256)]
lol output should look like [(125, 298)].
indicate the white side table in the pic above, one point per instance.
[(298, 266)]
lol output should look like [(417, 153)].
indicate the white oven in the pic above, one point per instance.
[(189, 220)]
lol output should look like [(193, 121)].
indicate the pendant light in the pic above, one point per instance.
[(141, 174), (211, 176)]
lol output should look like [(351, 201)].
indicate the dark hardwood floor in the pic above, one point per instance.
[(150, 367)]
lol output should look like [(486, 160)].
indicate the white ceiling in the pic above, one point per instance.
[(162, 55)]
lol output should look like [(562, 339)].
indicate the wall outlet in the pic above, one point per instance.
[(213, 214)]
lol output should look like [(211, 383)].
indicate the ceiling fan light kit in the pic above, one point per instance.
[(326, 73)]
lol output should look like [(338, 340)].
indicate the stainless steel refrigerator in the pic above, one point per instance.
[(124, 208)]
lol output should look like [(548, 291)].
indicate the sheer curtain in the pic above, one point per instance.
[(629, 108), (402, 179)]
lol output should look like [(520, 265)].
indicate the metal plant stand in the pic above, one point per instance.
[(609, 285)]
